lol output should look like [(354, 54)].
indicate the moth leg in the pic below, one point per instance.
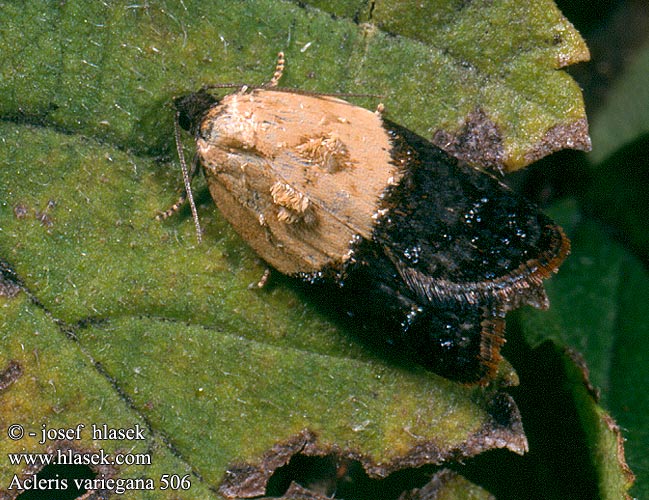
[(182, 198), (263, 281)]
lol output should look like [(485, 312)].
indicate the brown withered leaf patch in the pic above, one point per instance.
[(621, 455), (10, 374), (9, 283), (249, 480), (504, 430), (479, 142), (580, 362), (572, 135)]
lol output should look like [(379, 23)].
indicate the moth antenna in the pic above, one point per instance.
[(290, 90), (279, 70), (186, 175), (209, 86)]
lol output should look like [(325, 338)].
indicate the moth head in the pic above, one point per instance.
[(191, 109)]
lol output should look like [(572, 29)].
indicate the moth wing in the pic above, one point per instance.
[(466, 250)]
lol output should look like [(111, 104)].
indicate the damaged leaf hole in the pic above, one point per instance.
[(330, 477), (54, 474)]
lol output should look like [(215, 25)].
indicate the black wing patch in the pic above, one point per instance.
[(455, 251)]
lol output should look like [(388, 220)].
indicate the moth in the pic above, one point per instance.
[(433, 251)]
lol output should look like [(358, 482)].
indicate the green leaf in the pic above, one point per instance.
[(617, 194), (52, 383), (623, 118), (226, 374), (456, 72), (129, 321), (494, 82), (599, 309)]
